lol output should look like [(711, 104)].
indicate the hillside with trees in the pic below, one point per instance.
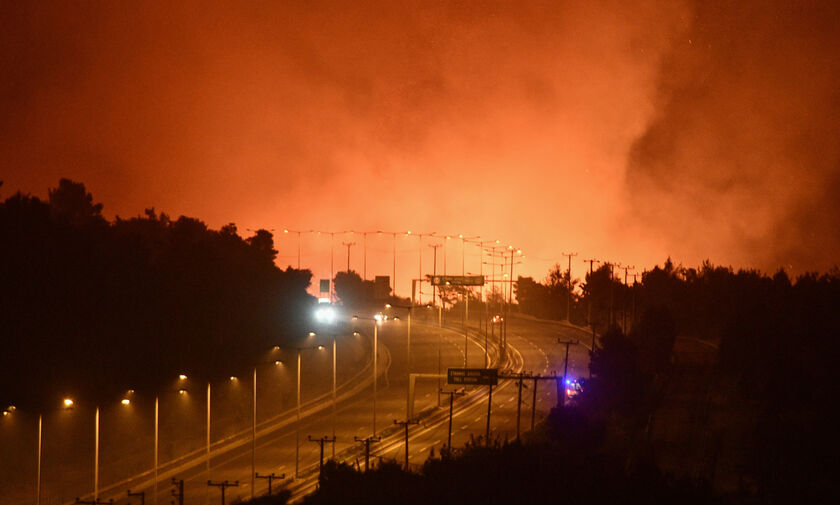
[(97, 306), (716, 390)]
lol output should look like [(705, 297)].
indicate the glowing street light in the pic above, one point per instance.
[(68, 402), (297, 232), (297, 410), (325, 314), (378, 319)]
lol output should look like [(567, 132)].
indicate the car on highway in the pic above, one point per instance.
[(574, 387)]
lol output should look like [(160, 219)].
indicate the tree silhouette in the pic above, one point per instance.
[(71, 201), (352, 290), (97, 307)]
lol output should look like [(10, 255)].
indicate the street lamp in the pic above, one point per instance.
[(325, 315), (419, 255), (182, 391), (69, 403), (287, 231), (298, 350), (377, 319), (277, 363), (8, 412)]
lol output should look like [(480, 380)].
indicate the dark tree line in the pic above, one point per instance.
[(761, 399), (548, 299), (769, 405), (90, 306)]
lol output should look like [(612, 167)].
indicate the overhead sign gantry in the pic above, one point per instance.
[(457, 280)]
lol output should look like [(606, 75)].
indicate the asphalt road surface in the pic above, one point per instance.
[(532, 349)]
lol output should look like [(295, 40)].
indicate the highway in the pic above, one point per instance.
[(532, 348)]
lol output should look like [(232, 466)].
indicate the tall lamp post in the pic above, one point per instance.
[(377, 320), (325, 316), (181, 391), (297, 232), (254, 422), (510, 298), (38, 479), (207, 432), (298, 351), (420, 257)]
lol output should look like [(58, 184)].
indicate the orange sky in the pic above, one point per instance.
[(623, 132)]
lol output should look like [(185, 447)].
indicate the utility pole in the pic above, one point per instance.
[(348, 245), (420, 266), (589, 310), (222, 486), (489, 406), (569, 298), (367, 441), (520, 378), (562, 399), (491, 251), (519, 403), (321, 441), (634, 299), (178, 492), (332, 264), (483, 319), (270, 478), (510, 302), (612, 297), (466, 324), (434, 270), (394, 266), (534, 402), (254, 436), (139, 494), (405, 424), (452, 395), (624, 312), (364, 254), (461, 236)]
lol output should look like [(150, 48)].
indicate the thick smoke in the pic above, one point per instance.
[(741, 163), (508, 120)]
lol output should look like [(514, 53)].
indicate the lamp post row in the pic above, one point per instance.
[(69, 403), (408, 233)]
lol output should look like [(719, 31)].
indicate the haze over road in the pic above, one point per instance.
[(533, 349)]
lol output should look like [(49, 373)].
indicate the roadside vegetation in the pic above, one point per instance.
[(715, 389), (91, 307)]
